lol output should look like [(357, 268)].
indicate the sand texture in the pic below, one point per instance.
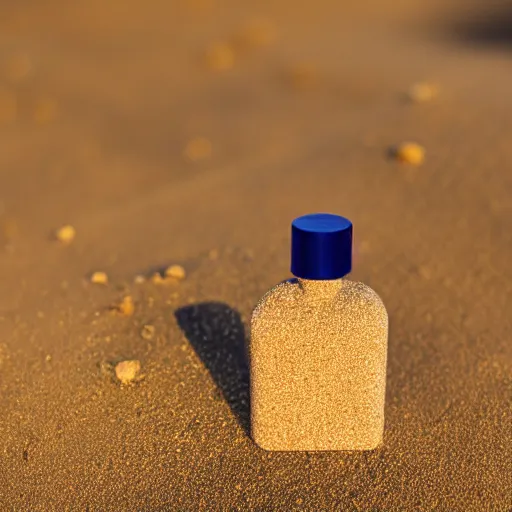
[(191, 133)]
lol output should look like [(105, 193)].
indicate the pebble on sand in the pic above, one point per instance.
[(171, 274), (125, 307), (65, 234), (409, 153), (422, 92), (99, 278), (147, 332), (139, 279), (197, 149), (220, 56), (157, 278), (175, 272), (126, 371)]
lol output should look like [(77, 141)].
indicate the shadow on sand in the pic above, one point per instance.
[(488, 26), (217, 334)]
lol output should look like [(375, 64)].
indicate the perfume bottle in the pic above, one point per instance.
[(318, 349)]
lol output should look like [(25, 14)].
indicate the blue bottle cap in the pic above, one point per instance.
[(321, 246)]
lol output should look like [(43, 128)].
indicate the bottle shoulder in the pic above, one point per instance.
[(351, 316), (364, 302), (351, 294), (285, 291), (361, 292)]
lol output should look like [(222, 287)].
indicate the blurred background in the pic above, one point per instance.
[(192, 132)]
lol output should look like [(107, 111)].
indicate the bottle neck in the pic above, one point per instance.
[(320, 289)]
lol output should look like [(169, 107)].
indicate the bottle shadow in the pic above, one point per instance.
[(485, 26), (217, 334)]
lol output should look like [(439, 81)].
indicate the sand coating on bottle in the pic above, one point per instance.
[(318, 366)]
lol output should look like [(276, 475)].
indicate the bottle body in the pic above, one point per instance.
[(318, 366)]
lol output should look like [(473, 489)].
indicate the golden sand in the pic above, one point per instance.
[(198, 148), (17, 67), (422, 92), (70, 436), (220, 56), (8, 106), (45, 110), (257, 32), (304, 75)]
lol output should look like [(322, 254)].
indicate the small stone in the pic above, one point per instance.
[(197, 149), (125, 307), (410, 153), (66, 234), (220, 56), (171, 275), (422, 92), (99, 278), (126, 371), (157, 278), (139, 279), (148, 332), (175, 272)]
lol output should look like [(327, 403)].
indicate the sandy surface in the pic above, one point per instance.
[(98, 101)]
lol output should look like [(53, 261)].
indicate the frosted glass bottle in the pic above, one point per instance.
[(318, 349)]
